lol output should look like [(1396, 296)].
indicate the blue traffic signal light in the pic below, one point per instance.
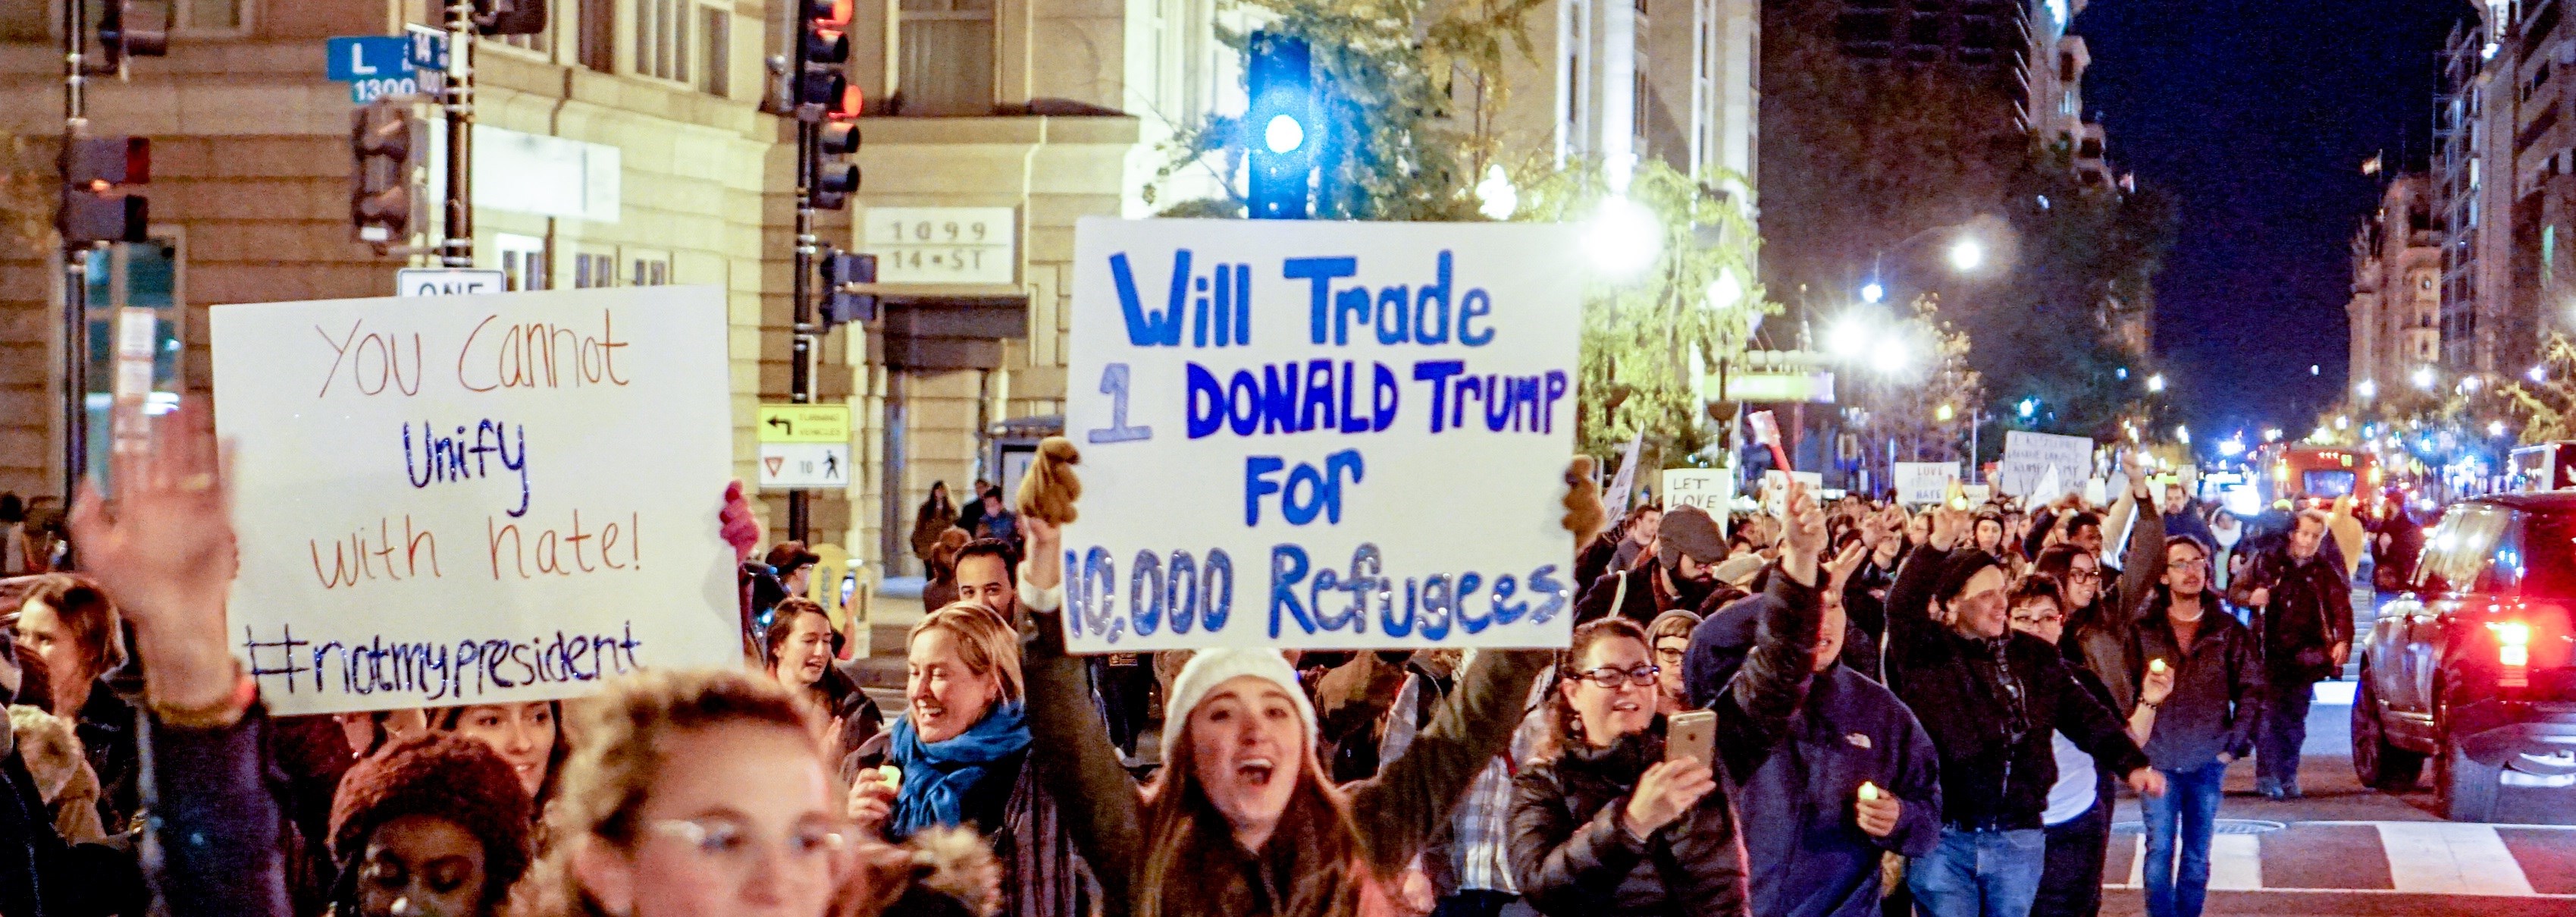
[(1282, 121)]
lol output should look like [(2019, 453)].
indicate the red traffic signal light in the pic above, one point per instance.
[(97, 163), (829, 13)]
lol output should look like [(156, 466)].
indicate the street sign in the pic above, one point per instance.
[(805, 423), (800, 466), (1771, 388), (372, 65), (427, 47), (941, 244), (448, 281)]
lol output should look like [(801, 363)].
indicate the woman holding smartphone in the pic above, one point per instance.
[(1628, 816)]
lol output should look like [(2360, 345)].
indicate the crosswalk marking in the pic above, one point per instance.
[(2436, 858), (2451, 859)]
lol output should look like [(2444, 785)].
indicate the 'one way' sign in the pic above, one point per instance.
[(448, 281)]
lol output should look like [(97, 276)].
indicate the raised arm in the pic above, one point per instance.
[(1411, 797), (1753, 712), (1092, 790)]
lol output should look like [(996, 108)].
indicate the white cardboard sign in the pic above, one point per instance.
[(2028, 457), (1925, 482), (476, 499), (1320, 435), (1710, 489)]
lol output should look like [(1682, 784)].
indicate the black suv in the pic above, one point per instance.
[(2471, 666)]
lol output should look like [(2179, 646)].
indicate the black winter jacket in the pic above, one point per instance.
[(1572, 853), (2309, 610), (2218, 684), (1996, 763)]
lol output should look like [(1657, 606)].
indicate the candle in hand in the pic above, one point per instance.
[(1868, 791), (2156, 666)]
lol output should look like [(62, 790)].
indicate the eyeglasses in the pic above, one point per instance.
[(1612, 676), (1669, 653), (2033, 617), (730, 846), (2090, 576)]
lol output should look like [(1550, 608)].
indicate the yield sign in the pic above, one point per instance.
[(774, 462)]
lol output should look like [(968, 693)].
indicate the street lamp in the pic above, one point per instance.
[(1725, 291), (1495, 197), (2495, 428), (2537, 374), (2367, 389), (2422, 377), (1890, 355), (1872, 292), (1624, 237), (2182, 434), (2027, 407), (1944, 413), (1967, 254), (2156, 383)]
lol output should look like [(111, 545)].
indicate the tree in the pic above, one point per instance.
[(1925, 408), (1413, 92)]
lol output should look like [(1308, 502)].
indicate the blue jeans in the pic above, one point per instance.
[(1979, 873), (2189, 811)]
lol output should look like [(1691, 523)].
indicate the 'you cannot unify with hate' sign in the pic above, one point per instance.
[(476, 499)]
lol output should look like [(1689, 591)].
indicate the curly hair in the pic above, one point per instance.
[(620, 757)]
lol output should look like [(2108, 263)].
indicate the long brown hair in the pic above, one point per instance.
[(1188, 869)]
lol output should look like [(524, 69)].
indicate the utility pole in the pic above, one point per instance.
[(456, 97), (818, 96), (800, 377)]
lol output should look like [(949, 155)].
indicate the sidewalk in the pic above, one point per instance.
[(896, 609)]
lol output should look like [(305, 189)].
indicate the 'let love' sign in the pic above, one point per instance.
[(476, 499), (1321, 435)]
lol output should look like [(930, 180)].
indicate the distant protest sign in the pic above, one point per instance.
[(1321, 435), (1710, 489), (2029, 457), (1925, 482), (476, 499)]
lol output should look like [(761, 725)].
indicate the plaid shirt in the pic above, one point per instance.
[(1479, 852)]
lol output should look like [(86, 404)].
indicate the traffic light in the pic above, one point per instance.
[(133, 28), (835, 178), (510, 17), (840, 304), (1282, 123), (96, 170), (381, 144), (819, 94)]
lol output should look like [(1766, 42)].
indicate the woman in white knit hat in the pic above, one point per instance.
[(1243, 821)]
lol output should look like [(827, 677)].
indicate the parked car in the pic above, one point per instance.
[(2470, 667)]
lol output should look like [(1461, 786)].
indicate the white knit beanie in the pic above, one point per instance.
[(1210, 668)]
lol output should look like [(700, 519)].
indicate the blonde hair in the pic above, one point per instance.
[(985, 642), (624, 733)]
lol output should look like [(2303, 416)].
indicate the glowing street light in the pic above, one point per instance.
[(1967, 254), (1848, 337), (2537, 373), (2495, 428), (2027, 407), (1623, 237), (2422, 377), (2156, 383), (1726, 290), (1495, 197), (1890, 356), (2182, 434), (1872, 293), (2272, 435), (1944, 413), (2231, 448), (2366, 388)]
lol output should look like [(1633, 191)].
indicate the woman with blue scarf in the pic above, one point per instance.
[(958, 757)]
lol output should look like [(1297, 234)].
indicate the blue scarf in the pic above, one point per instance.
[(937, 775)]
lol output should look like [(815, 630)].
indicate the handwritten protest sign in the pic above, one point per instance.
[(1710, 489), (476, 499), (2028, 457), (1775, 488), (1924, 482), (1312, 434)]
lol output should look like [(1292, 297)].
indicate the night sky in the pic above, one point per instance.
[(2258, 115)]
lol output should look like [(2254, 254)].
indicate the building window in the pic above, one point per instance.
[(594, 269), (524, 265), (662, 39), (648, 268), (715, 52), (599, 35), (947, 58)]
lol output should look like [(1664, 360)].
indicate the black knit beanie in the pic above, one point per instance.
[(445, 776)]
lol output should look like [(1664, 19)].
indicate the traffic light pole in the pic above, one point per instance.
[(800, 384), (75, 255), (456, 97)]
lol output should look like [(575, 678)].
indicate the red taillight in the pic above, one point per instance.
[(2513, 653)]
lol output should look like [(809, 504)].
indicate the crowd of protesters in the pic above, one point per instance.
[(1839, 707)]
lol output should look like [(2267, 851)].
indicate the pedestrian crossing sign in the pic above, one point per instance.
[(804, 466)]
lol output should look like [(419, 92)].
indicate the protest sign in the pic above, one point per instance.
[(1623, 485), (2028, 457), (1320, 435), (1775, 488), (1977, 494), (1924, 482), (1710, 489), (476, 499)]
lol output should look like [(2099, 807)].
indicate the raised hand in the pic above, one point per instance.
[(1665, 791), (1840, 570), (166, 554), (736, 522), (1802, 536), (1948, 524)]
